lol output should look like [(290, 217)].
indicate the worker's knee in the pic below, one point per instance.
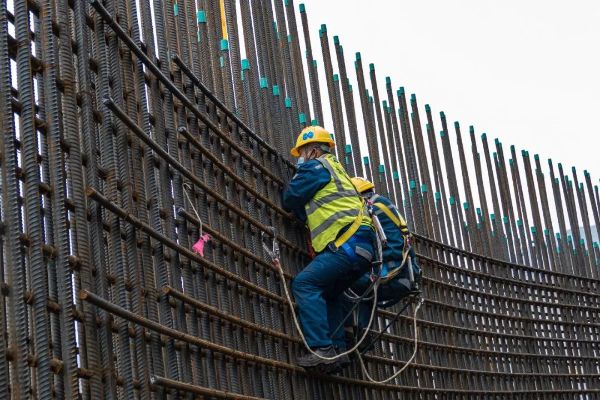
[(300, 285)]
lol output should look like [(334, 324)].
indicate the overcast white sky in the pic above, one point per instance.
[(526, 72)]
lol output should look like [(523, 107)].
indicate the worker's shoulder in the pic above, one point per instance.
[(382, 199)]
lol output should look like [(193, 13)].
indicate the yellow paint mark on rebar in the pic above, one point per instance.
[(223, 19)]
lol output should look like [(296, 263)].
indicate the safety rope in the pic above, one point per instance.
[(410, 360), (186, 187), (275, 258), (392, 321)]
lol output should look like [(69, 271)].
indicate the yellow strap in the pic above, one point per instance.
[(223, 20), (392, 274), (400, 223), (352, 230)]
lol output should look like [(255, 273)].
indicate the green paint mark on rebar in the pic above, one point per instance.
[(314, 122), (224, 45), (412, 184), (348, 149), (201, 16), (302, 118), (423, 188), (395, 175), (264, 83), (288, 102), (176, 9), (366, 160), (275, 90), (452, 200), (245, 64)]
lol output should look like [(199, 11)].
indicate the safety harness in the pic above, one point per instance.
[(391, 273)]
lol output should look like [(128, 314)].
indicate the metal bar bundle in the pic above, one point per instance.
[(131, 128)]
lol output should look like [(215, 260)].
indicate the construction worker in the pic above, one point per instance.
[(322, 195), (398, 256)]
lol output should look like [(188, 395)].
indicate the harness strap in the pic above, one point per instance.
[(350, 231), (400, 223)]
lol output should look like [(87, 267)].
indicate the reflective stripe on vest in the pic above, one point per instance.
[(334, 207)]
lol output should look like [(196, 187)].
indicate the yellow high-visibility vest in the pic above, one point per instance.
[(334, 207)]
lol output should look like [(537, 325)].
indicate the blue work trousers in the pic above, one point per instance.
[(319, 291)]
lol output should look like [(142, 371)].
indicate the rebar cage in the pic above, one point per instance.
[(116, 114)]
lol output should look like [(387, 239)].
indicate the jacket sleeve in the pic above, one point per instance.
[(309, 179)]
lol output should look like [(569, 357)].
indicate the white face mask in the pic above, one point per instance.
[(300, 160)]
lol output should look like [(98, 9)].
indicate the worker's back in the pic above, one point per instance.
[(396, 231)]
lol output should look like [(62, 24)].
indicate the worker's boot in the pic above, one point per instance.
[(312, 361), (342, 362)]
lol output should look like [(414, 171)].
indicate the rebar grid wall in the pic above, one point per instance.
[(111, 109)]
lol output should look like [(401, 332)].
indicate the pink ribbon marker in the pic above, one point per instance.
[(199, 246)]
